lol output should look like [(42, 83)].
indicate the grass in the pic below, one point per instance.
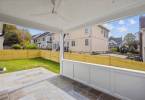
[(14, 65), (23, 64)]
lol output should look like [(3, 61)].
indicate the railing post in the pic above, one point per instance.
[(61, 51)]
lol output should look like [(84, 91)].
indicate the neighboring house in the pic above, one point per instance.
[(43, 41), (1, 36), (142, 36), (55, 41), (87, 39), (115, 42)]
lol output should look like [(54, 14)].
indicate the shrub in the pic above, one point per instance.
[(114, 49), (16, 46), (132, 49), (118, 49), (30, 46), (124, 49)]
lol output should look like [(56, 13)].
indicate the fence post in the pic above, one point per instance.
[(27, 54), (109, 60)]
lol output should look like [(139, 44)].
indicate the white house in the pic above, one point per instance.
[(1, 36), (87, 39), (43, 41), (115, 42)]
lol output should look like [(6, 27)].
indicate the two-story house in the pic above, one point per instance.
[(87, 39), (1, 36), (43, 41), (115, 42)]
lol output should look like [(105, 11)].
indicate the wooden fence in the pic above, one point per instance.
[(18, 54), (107, 60), (54, 56)]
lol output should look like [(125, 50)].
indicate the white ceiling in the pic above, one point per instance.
[(76, 12)]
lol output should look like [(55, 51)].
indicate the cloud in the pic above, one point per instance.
[(132, 21), (121, 22), (109, 26), (122, 29)]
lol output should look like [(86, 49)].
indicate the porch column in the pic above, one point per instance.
[(61, 51)]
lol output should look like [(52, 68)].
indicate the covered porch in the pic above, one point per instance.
[(63, 16), (41, 84)]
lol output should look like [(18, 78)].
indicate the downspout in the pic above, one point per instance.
[(91, 39)]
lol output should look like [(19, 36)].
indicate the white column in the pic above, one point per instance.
[(1, 37), (1, 42), (143, 45), (61, 51)]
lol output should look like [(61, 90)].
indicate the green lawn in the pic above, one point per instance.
[(22, 64)]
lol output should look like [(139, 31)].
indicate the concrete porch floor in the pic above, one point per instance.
[(40, 84)]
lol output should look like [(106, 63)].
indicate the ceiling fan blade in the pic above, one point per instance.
[(58, 4), (53, 2)]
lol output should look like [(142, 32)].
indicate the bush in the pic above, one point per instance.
[(124, 49), (118, 49), (30, 46), (16, 46), (132, 49), (114, 49)]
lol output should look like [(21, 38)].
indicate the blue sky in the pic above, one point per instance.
[(117, 28), (34, 31), (122, 27)]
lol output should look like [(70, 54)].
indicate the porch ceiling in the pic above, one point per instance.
[(74, 13)]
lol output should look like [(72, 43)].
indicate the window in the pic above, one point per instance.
[(86, 42), (67, 44), (88, 29), (35, 41), (43, 39), (73, 43), (105, 34), (54, 46), (102, 30), (50, 38)]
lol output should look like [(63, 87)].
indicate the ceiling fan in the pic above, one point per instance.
[(54, 12)]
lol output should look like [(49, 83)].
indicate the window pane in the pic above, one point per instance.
[(86, 42)]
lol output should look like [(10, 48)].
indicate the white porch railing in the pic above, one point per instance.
[(122, 83)]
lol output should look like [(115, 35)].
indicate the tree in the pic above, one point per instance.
[(129, 38), (10, 39), (24, 36), (14, 35), (131, 42)]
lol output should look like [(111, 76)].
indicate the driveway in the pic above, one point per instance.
[(115, 55)]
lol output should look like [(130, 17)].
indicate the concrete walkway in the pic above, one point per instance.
[(41, 84), (116, 55)]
